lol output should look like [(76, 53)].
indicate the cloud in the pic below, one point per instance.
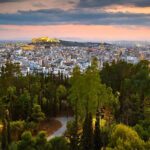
[(2, 28), (38, 4), (103, 3), (75, 16), (10, 1)]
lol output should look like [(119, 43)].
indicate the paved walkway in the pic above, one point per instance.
[(61, 130)]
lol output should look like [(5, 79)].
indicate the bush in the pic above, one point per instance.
[(27, 142), (32, 126), (143, 129), (41, 142), (59, 143), (124, 137), (17, 128)]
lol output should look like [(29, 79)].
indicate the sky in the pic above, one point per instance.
[(81, 20)]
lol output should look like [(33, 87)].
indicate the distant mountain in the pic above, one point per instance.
[(80, 44)]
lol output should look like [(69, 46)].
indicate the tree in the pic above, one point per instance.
[(113, 74), (41, 141), (133, 84), (143, 129), (60, 93), (13, 146), (8, 127), (16, 128), (124, 137), (73, 135), (84, 90), (9, 72), (4, 136), (37, 115), (133, 110), (97, 134), (27, 142), (87, 135), (87, 95), (75, 94), (91, 86), (105, 135), (11, 100), (95, 95), (25, 105), (59, 143)]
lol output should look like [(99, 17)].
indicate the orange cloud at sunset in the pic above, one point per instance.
[(129, 9), (77, 32), (33, 5)]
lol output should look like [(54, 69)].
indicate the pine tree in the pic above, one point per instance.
[(87, 137), (97, 133), (74, 137), (8, 127), (6, 131), (4, 144), (75, 99)]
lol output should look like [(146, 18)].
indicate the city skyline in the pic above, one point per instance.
[(85, 20)]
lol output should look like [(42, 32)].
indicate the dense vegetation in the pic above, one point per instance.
[(111, 107)]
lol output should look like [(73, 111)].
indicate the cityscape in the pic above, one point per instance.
[(45, 55)]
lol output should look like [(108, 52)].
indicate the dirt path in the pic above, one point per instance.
[(62, 129)]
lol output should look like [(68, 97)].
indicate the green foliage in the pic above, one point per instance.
[(4, 142), (97, 134), (105, 135), (16, 128), (11, 90), (13, 146), (76, 90), (6, 139), (59, 143), (25, 105), (35, 88), (11, 100), (133, 84), (124, 137), (60, 93), (27, 142), (41, 142), (27, 97), (143, 129), (113, 74), (37, 115), (73, 135), (19, 94), (75, 96), (9, 72), (91, 88), (31, 126), (147, 145), (87, 135), (87, 93)]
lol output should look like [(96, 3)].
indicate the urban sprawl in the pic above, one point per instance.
[(53, 55)]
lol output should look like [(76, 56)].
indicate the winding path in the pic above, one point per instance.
[(61, 130)]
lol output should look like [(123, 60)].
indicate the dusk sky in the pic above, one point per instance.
[(85, 20)]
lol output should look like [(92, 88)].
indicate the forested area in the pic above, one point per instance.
[(110, 108)]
